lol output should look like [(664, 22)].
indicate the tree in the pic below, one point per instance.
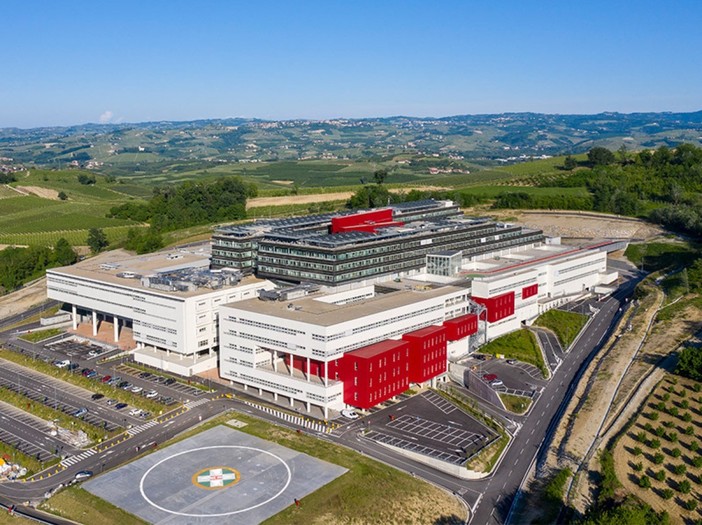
[(644, 482), (64, 253), (599, 156), (570, 163), (690, 363), (97, 240), (86, 179), (380, 175), (62, 195)]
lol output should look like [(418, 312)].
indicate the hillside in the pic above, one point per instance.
[(152, 147)]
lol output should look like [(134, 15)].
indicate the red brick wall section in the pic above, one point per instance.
[(460, 327), (530, 291), (497, 307)]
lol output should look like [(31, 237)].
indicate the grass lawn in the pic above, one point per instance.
[(40, 335), (519, 345), (566, 325), (81, 506), (6, 519), (516, 404)]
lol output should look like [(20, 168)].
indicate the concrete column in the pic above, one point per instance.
[(326, 412), (246, 387), (308, 406), (74, 311), (115, 319), (291, 365), (260, 392), (308, 373), (275, 360), (94, 323), (292, 402), (275, 396), (326, 373)]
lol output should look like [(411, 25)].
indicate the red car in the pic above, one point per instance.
[(105, 379), (489, 377)]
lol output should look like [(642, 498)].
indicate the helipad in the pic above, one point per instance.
[(217, 474)]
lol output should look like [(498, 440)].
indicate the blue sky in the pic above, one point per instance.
[(69, 62)]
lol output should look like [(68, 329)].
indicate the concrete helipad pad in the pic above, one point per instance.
[(219, 476)]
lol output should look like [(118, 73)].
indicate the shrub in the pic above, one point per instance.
[(668, 424), (697, 461), (683, 393), (638, 467), (641, 437), (685, 404), (637, 451), (675, 452), (658, 458), (697, 387), (655, 444), (691, 504), (667, 493), (648, 427), (679, 469), (689, 430), (644, 482), (660, 475), (661, 406), (653, 416), (694, 446), (673, 380), (684, 486), (673, 437), (666, 397), (687, 417), (673, 411), (660, 431)]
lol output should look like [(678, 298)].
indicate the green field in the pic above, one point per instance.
[(519, 345), (566, 325)]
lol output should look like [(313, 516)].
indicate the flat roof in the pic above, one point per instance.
[(106, 266), (309, 310), (369, 351)]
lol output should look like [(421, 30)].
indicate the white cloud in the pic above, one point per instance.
[(106, 117)]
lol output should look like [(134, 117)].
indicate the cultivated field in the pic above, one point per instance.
[(659, 458)]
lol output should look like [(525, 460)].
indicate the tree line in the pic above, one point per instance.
[(18, 265)]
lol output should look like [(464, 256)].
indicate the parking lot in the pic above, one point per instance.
[(430, 425), (518, 378), (76, 349), (154, 380), (26, 433)]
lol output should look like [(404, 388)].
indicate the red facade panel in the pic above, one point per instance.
[(375, 373), (530, 291), (427, 353), (497, 307), (460, 327), (339, 224)]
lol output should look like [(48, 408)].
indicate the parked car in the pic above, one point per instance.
[(124, 385), (136, 389), (111, 401), (97, 396), (72, 367), (85, 371), (158, 379), (92, 374), (62, 364), (80, 412), (105, 379), (169, 381), (496, 382), (511, 361), (94, 353), (349, 413), (145, 415), (134, 412), (120, 406), (145, 375), (83, 474), (115, 381), (151, 393), (489, 377)]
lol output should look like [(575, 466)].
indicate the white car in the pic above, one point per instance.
[(62, 364), (137, 389), (135, 412), (151, 394), (496, 383), (349, 413)]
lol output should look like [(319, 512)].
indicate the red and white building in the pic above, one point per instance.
[(361, 347)]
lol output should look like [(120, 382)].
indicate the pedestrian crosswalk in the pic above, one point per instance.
[(140, 428), (78, 457), (197, 403)]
